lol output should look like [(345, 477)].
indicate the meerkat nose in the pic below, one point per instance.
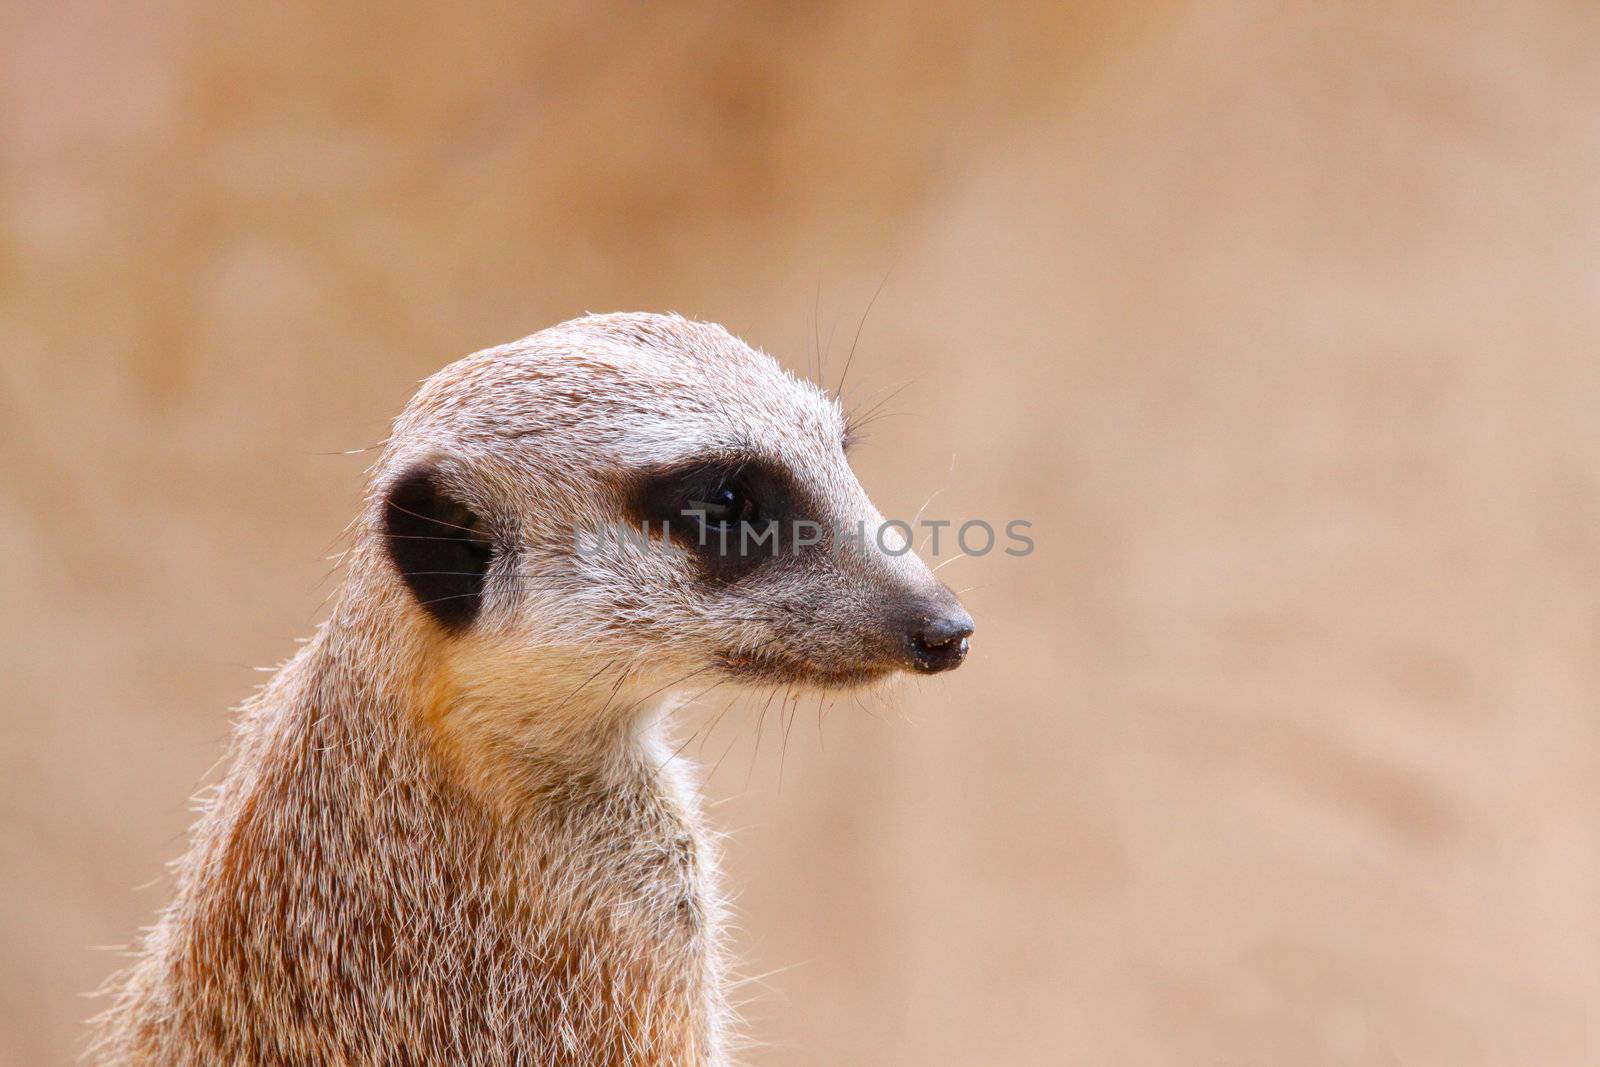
[(937, 640)]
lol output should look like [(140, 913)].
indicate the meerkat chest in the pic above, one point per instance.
[(634, 863), (619, 923)]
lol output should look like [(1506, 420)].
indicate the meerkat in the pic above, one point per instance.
[(453, 830)]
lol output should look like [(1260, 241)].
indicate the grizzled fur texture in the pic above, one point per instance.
[(460, 837)]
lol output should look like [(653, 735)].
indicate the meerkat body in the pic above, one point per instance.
[(452, 831)]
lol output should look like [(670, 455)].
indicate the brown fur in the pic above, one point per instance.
[(437, 848)]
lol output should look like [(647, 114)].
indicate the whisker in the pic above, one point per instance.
[(858, 428), (784, 754), (615, 689), (697, 696), (827, 346), (857, 419), (838, 390), (433, 519), (671, 685), (816, 327), (429, 537), (607, 666), (731, 743), (355, 451), (949, 474), (760, 724), (701, 754)]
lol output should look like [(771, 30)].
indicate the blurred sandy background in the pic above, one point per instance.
[(1280, 324)]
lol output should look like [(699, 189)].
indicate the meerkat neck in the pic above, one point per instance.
[(355, 841), (490, 714), (507, 745)]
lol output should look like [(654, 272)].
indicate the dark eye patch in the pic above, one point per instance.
[(439, 545), (731, 514)]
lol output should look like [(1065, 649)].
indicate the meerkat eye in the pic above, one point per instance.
[(728, 513), (727, 504)]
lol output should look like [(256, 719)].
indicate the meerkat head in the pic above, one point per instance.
[(650, 493)]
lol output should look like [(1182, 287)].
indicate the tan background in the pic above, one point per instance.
[(1281, 324)]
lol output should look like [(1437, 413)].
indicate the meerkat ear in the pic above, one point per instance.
[(440, 546)]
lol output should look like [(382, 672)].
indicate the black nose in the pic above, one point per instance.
[(938, 642)]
